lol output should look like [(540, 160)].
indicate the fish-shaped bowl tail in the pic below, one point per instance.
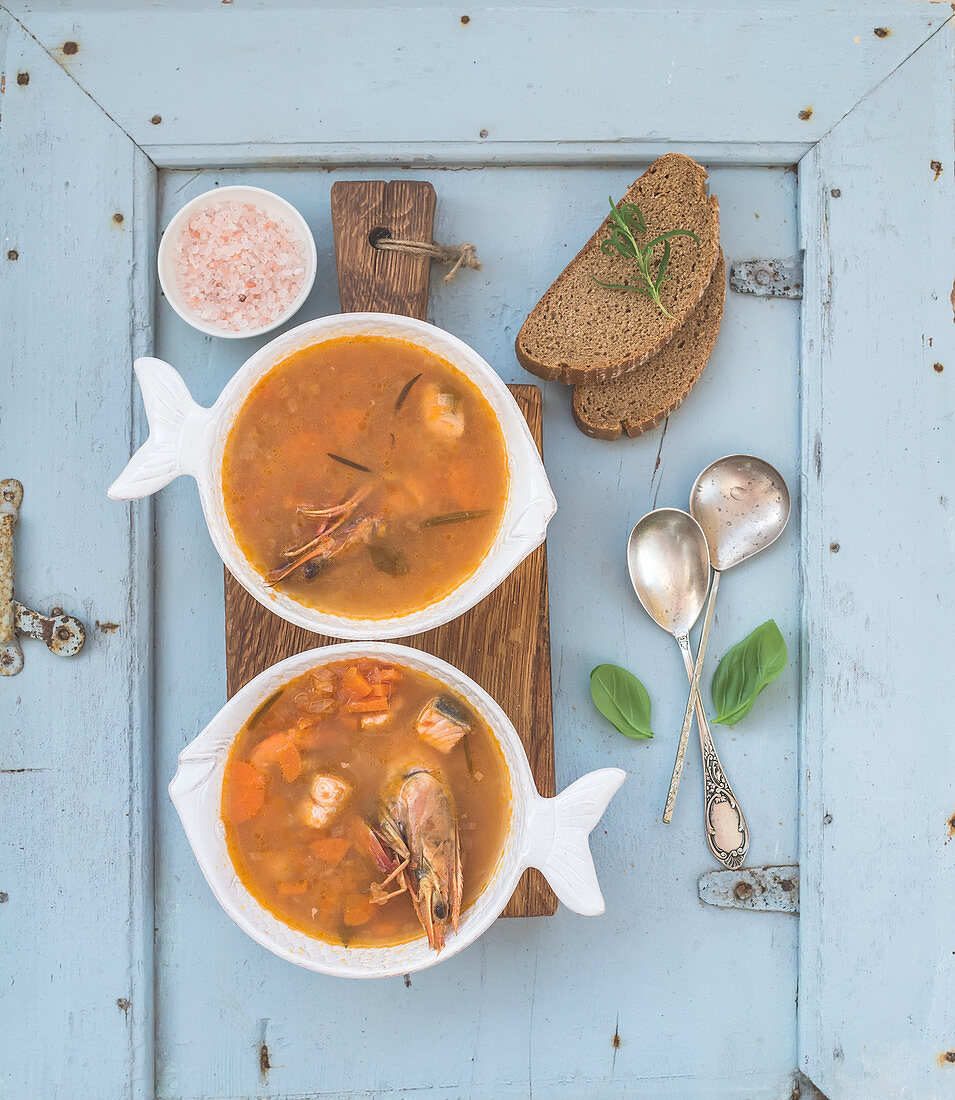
[(177, 433), (559, 828)]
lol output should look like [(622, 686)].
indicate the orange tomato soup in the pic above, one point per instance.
[(313, 809), (365, 477)]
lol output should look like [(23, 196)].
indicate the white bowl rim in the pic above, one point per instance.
[(236, 192)]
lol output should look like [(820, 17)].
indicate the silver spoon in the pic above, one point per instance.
[(669, 566), (742, 503)]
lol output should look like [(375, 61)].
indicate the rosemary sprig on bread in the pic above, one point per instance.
[(628, 224), (580, 332)]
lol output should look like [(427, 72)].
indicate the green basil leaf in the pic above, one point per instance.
[(750, 666), (621, 698)]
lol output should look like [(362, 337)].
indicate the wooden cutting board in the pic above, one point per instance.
[(504, 642)]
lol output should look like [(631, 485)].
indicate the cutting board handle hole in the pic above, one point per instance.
[(378, 234)]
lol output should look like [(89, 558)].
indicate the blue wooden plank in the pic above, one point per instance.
[(75, 858), (877, 967), (286, 79), (532, 1008)]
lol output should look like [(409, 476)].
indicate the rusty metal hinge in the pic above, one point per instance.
[(64, 635), (762, 889), (768, 278)]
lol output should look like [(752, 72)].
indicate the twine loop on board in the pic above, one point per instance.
[(459, 255)]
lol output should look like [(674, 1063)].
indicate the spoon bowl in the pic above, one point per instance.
[(669, 567), (742, 503)]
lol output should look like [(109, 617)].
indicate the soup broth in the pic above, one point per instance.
[(365, 477), (341, 770)]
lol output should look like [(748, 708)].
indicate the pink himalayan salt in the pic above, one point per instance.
[(237, 267)]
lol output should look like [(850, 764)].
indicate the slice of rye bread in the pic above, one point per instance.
[(582, 332), (641, 400)]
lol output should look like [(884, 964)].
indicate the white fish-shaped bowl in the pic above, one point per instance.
[(547, 833), (185, 438)]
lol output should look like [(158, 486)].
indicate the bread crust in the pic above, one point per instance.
[(571, 373), (699, 330)]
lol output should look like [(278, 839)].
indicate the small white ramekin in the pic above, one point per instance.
[(185, 438), (548, 833), (272, 204)]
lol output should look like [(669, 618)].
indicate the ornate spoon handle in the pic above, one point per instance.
[(727, 833), (692, 698)]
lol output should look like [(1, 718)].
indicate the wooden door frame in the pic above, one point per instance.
[(865, 147)]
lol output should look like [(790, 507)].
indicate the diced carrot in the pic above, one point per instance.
[(266, 752), (380, 691), (290, 761), (331, 849), (354, 683), (291, 888), (358, 910), (366, 706), (247, 791)]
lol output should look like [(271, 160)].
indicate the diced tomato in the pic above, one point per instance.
[(331, 849), (358, 910), (291, 888), (386, 675), (366, 706), (354, 683), (246, 790), (380, 691)]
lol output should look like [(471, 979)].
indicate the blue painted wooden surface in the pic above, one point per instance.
[(878, 926), (75, 763), (704, 1000), (535, 1004), (284, 82)]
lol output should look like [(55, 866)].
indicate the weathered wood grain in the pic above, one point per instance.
[(76, 903), (296, 77), (504, 642), (375, 279), (877, 965)]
